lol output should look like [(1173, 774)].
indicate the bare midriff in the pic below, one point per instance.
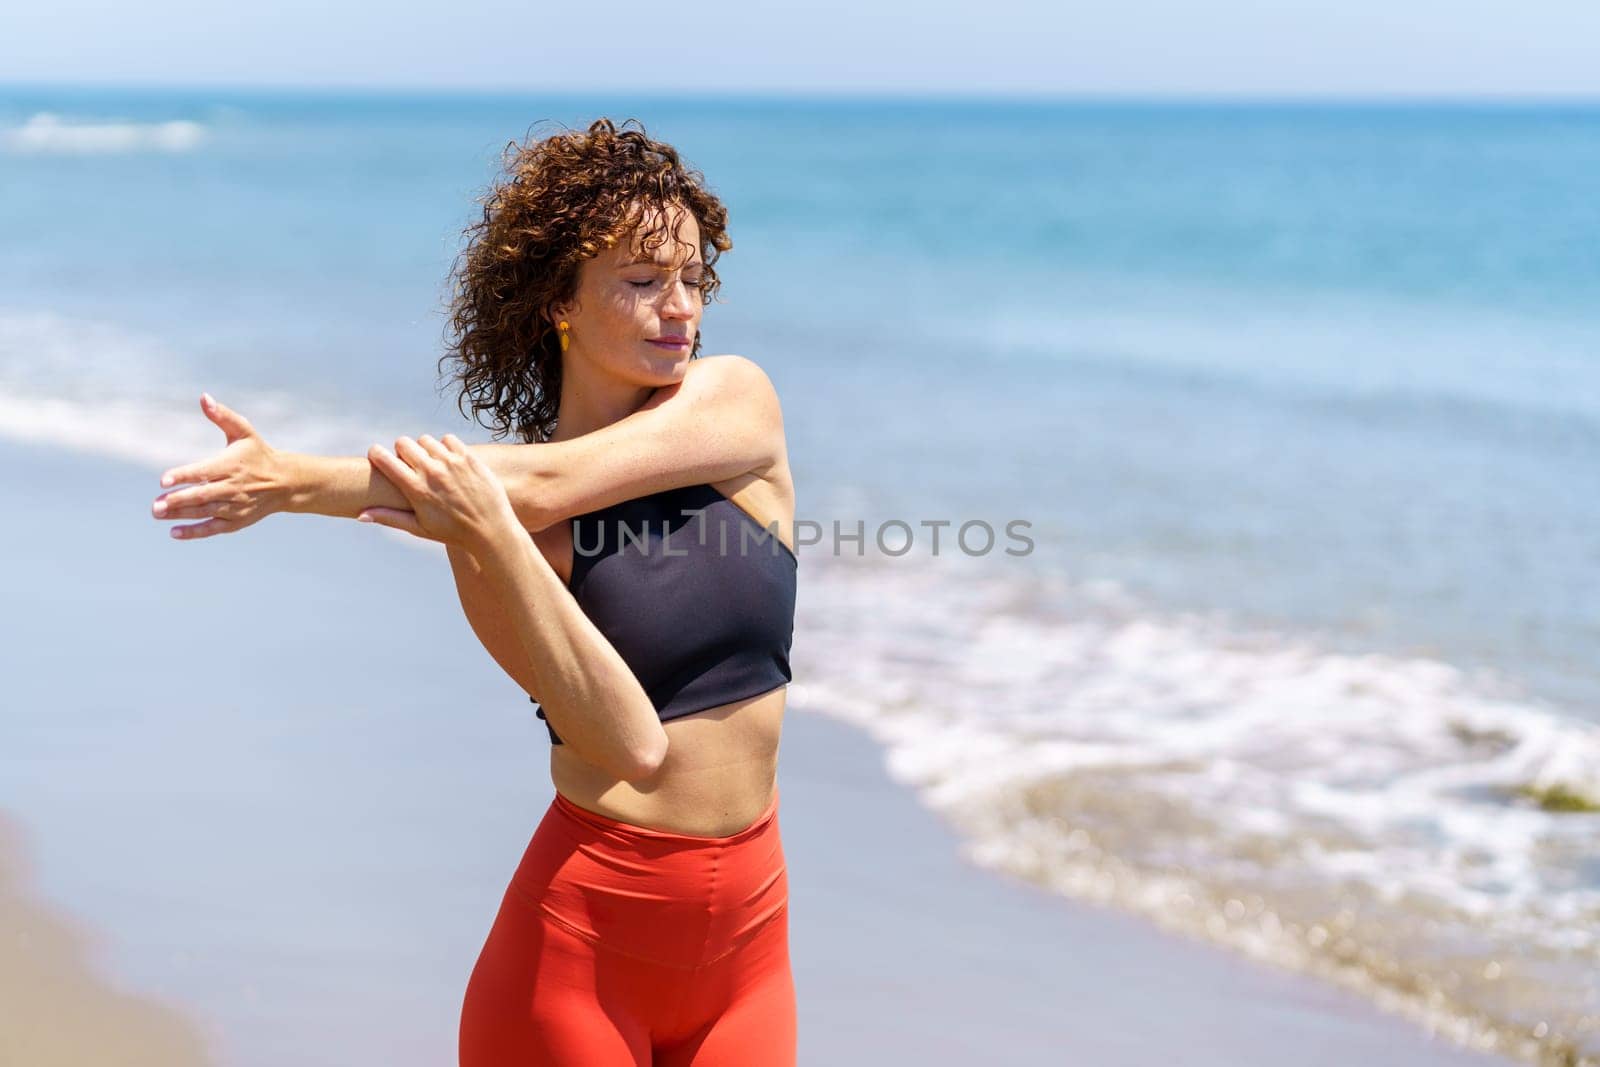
[(717, 778)]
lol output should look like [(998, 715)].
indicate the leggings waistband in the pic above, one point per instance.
[(606, 824)]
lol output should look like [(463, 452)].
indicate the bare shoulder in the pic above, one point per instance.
[(737, 393), (767, 493), (733, 377)]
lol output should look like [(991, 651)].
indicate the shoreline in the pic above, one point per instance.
[(57, 1005), (328, 843), (915, 952), (885, 945)]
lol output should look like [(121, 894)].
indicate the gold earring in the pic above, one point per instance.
[(565, 340)]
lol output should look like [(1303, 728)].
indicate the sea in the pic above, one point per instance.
[(1200, 500)]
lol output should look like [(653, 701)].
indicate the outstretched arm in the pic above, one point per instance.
[(721, 421)]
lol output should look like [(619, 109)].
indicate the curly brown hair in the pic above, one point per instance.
[(564, 198)]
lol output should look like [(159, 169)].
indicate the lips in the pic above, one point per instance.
[(669, 342)]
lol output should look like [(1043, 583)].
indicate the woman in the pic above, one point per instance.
[(647, 922)]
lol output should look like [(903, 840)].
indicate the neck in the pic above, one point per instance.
[(592, 399)]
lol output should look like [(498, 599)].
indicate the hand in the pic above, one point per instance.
[(238, 487), (454, 496)]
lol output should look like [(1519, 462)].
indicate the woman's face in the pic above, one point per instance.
[(637, 311)]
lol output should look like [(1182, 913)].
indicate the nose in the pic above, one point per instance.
[(683, 301)]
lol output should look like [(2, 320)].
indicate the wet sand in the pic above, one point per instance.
[(56, 1007), (320, 818), (905, 952)]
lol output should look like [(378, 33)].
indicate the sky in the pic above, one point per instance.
[(1336, 48)]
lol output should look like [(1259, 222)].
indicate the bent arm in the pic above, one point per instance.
[(533, 627), (721, 421)]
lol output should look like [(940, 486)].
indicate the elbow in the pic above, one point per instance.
[(535, 500), (529, 504), (643, 763), (534, 518)]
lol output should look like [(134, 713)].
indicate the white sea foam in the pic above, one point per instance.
[(1117, 752), (49, 134), (103, 389)]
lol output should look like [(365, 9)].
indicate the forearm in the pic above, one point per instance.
[(722, 421), (589, 694), (343, 486), (340, 486)]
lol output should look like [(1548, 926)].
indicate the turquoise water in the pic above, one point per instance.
[(1302, 403), (1401, 300)]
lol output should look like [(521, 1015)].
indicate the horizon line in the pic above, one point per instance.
[(816, 94)]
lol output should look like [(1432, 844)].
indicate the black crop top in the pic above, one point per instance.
[(696, 597)]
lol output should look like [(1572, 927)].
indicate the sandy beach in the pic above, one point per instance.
[(287, 799), (56, 1009), (1203, 595), (913, 954)]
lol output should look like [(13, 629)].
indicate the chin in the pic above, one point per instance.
[(661, 372)]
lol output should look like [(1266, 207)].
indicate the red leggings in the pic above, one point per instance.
[(623, 946)]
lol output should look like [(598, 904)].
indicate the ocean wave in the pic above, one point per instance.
[(49, 134), (1365, 817), (102, 389)]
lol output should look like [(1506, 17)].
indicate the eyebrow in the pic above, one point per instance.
[(641, 261)]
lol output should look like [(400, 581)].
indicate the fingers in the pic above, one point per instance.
[(458, 447), (434, 448), (451, 447), (194, 472), (230, 422), (414, 453), (233, 425), (423, 458), (397, 468), (430, 458), (394, 518), (165, 509), (209, 528), (187, 504)]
